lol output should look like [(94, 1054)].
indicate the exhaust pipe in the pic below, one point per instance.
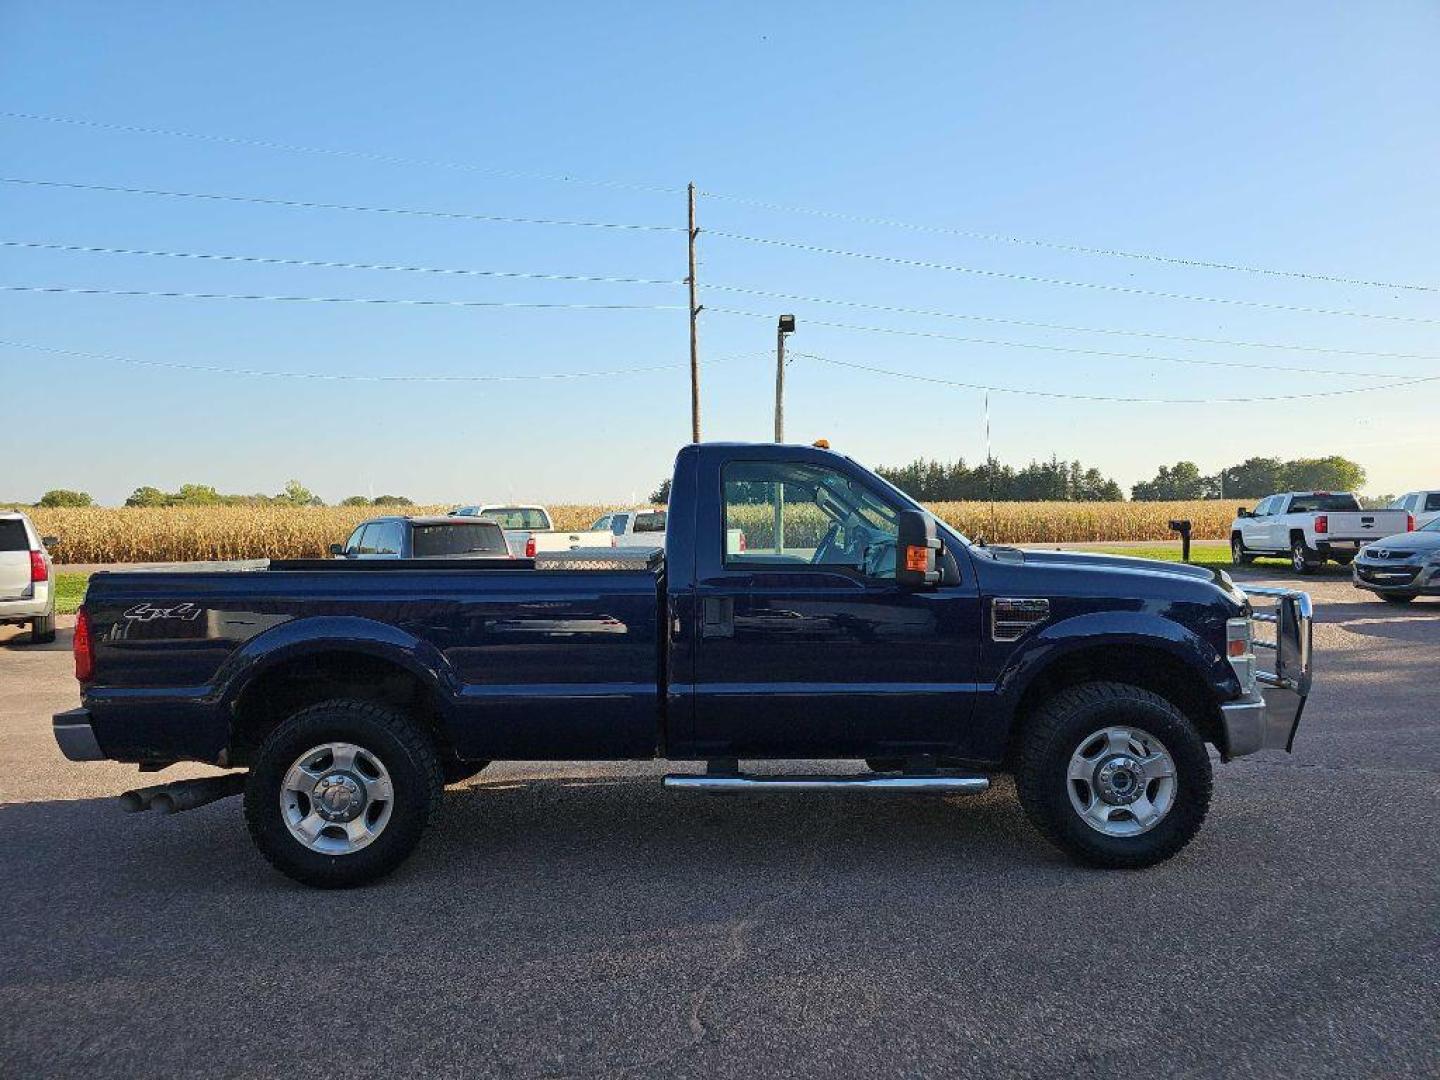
[(181, 795)]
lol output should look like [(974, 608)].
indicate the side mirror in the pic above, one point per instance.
[(1240, 511), (48, 542), (917, 549), (337, 550)]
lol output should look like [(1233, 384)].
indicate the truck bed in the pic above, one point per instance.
[(561, 662)]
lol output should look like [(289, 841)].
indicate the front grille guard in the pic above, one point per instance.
[(1292, 616)]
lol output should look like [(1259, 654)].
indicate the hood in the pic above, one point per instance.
[(1422, 540), (1085, 561)]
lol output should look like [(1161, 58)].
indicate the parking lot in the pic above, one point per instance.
[(577, 920)]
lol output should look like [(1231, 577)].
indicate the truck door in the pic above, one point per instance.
[(1254, 530), (806, 645)]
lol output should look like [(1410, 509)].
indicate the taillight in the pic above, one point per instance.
[(1322, 523), (1409, 522), (83, 648), (742, 541), (38, 570), (530, 547)]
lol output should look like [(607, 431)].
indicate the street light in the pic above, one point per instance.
[(786, 326)]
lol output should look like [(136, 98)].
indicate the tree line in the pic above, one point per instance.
[(1053, 480), (1253, 478), (295, 494)]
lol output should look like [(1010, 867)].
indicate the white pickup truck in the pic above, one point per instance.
[(1310, 527), (528, 529)]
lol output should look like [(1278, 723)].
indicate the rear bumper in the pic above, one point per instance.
[(76, 737), (30, 607), (1265, 720)]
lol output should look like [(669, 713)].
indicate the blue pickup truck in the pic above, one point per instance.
[(850, 624)]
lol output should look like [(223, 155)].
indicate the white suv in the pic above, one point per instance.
[(27, 592)]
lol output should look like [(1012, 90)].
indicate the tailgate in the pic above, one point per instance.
[(1366, 524), (14, 560)]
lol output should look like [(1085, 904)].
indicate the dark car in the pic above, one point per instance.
[(424, 538)]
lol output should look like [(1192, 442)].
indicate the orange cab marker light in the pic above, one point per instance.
[(821, 444)]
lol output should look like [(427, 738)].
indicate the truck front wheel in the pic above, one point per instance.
[(340, 793), (1114, 775)]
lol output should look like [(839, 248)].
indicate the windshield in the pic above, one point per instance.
[(1305, 504), (1431, 526), (518, 517), (957, 533), (458, 538)]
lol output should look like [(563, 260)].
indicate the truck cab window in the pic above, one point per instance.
[(795, 516)]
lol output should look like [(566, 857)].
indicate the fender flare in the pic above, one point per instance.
[(329, 634)]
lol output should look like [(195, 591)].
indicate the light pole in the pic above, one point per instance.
[(786, 326)]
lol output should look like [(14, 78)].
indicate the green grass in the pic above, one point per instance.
[(69, 591)]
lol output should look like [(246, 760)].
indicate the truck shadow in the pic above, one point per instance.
[(14, 637), (576, 841)]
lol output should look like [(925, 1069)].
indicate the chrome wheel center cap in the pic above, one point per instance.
[(1118, 780), (339, 797)]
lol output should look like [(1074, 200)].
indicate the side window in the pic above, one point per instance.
[(1432, 501), (352, 546), (653, 522), (364, 545), (601, 525), (385, 538), (794, 516), (617, 527)]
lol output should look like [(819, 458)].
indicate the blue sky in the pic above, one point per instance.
[(1290, 136)]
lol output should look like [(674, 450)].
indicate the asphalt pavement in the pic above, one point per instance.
[(575, 920)]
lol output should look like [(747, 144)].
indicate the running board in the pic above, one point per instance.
[(869, 782)]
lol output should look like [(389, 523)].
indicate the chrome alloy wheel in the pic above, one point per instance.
[(336, 798), (1121, 781)]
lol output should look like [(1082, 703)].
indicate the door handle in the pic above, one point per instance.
[(717, 619)]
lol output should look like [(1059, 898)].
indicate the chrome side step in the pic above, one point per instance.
[(868, 782)]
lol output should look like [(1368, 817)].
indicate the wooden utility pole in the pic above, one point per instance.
[(783, 328), (692, 232)]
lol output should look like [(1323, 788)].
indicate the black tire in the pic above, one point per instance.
[(1062, 725), (1238, 555), (456, 771), (42, 630), (406, 752), (1396, 598), (1303, 558)]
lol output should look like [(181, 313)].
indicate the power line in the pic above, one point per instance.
[(1061, 245), (77, 290), (270, 260), (449, 215), (1064, 349), (570, 178), (1116, 399), (1078, 351), (347, 377), (363, 155), (1035, 279)]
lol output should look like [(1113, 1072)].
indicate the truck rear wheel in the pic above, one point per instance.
[(1114, 775), (340, 793), (42, 630), (1303, 558)]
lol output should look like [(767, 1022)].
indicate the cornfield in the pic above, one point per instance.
[(182, 534)]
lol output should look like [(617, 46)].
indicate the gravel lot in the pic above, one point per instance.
[(576, 920)]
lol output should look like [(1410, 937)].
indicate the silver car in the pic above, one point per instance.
[(27, 583), (1399, 568)]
